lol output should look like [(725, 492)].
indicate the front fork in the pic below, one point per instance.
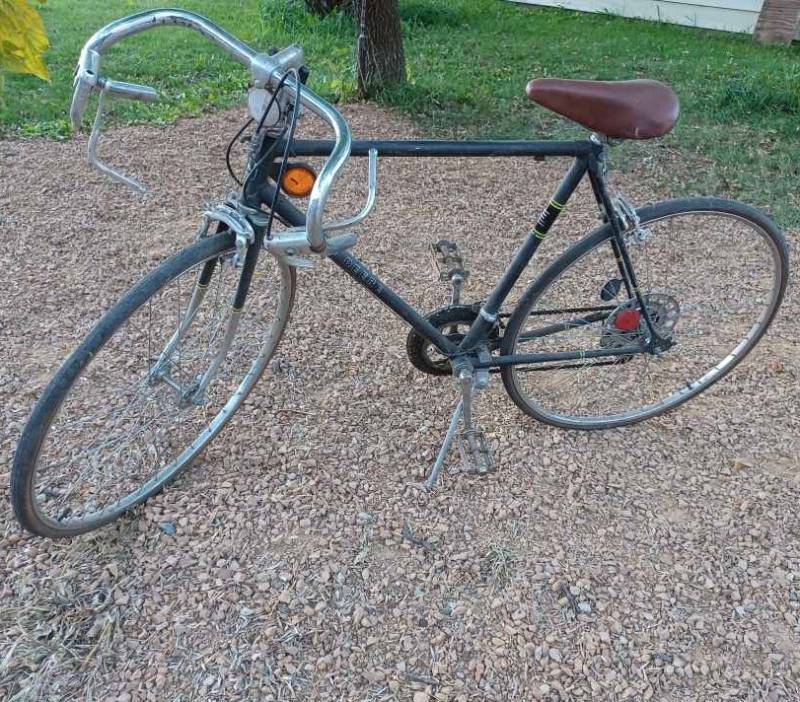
[(248, 248), (160, 369)]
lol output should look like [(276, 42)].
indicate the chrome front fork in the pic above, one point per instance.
[(228, 214), (160, 372), (197, 396)]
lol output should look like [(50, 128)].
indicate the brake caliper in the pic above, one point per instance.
[(630, 220)]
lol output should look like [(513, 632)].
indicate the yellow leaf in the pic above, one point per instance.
[(22, 39)]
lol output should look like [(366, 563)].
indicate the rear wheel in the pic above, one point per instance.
[(124, 413), (712, 274)]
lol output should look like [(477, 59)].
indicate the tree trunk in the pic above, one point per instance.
[(777, 23), (379, 47)]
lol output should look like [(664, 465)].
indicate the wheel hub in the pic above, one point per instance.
[(626, 325)]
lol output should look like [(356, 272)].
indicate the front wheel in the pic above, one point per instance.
[(128, 410), (712, 274)]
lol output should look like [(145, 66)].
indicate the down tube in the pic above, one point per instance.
[(362, 275), (365, 277)]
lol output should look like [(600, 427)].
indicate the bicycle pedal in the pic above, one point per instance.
[(449, 261), (476, 456)]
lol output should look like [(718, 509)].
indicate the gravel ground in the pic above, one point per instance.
[(659, 562)]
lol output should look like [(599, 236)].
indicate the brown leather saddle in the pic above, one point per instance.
[(626, 109)]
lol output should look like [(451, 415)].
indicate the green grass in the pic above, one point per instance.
[(468, 63)]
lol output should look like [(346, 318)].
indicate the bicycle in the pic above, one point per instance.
[(618, 329)]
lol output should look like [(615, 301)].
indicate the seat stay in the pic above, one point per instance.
[(597, 179)]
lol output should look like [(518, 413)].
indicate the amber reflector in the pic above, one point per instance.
[(298, 181)]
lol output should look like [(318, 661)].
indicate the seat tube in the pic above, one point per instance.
[(487, 317)]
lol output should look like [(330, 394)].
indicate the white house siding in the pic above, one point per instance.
[(726, 15)]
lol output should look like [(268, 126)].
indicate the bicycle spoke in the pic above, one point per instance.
[(121, 426), (709, 277)]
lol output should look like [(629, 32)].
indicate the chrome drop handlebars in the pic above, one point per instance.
[(266, 71)]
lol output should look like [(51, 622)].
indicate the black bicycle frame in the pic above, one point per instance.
[(588, 158)]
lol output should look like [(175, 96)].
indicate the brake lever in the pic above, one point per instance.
[(94, 137), (295, 238)]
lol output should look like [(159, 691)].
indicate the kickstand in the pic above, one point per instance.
[(474, 448), (433, 476)]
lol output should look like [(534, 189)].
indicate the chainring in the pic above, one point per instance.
[(453, 321)]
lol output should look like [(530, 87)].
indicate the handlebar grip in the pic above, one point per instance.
[(128, 90)]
